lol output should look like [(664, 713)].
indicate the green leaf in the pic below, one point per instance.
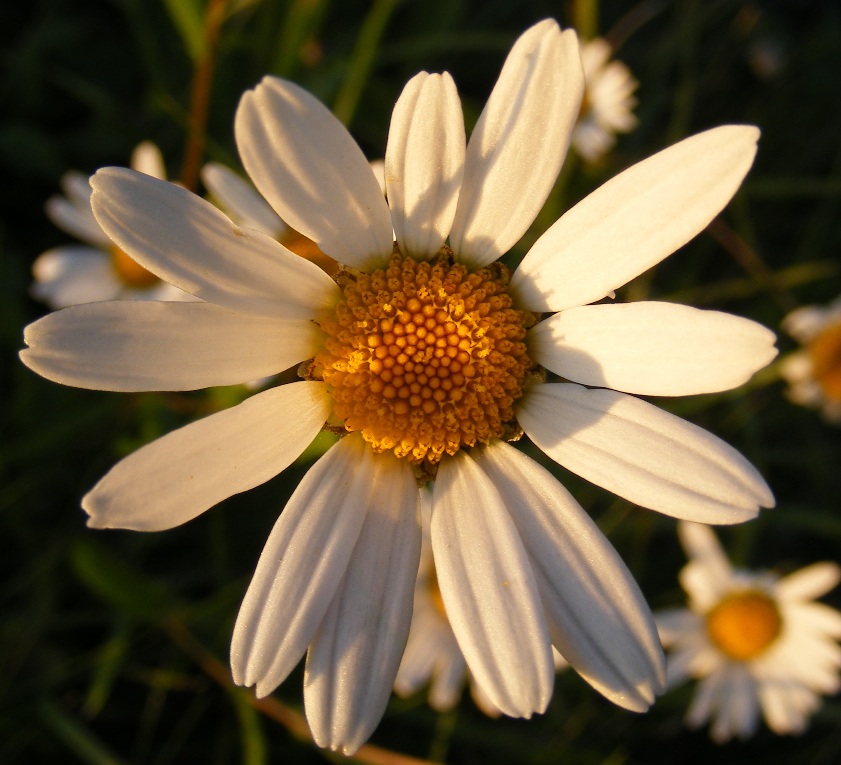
[(116, 582), (188, 18)]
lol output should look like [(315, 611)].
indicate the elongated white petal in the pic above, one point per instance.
[(519, 143), (172, 480), (67, 276), (655, 349), (489, 590), (302, 565), (240, 200), (132, 345), (353, 660), (810, 582), (595, 611), (77, 188), (305, 163), (147, 158), (424, 163), (190, 243), (76, 221), (642, 453), (708, 573), (635, 220)]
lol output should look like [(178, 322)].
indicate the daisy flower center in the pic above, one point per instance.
[(424, 358), (744, 625), (825, 354), (130, 272)]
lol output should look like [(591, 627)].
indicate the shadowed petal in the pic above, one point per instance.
[(595, 611), (302, 565), (305, 163), (240, 200), (489, 590), (190, 243), (519, 143), (353, 660), (132, 345), (634, 220), (655, 349), (172, 480), (424, 163), (642, 453)]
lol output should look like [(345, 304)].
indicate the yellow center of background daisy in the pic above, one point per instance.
[(130, 272), (744, 625), (423, 358), (825, 353)]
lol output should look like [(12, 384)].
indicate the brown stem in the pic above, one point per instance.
[(293, 721), (200, 95)]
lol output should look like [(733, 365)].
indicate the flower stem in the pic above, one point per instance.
[(200, 95)]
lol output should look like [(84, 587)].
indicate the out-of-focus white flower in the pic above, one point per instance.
[(429, 356), (97, 270), (608, 103), (755, 641), (813, 372)]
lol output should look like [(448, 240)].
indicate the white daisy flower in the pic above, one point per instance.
[(98, 270), (813, 373), (608, 103), (428, 357), (756, 641), (432, 656)]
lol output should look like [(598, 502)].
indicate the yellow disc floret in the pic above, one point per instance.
[(423, 358), (130, 272), (744, 624)]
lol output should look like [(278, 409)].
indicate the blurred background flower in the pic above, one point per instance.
[(756, 642)]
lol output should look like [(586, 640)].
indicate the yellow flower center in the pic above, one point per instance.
[(744, 625), (424, 358), (825, 353), (130, 272)]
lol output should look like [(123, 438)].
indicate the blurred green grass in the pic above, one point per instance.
[(88, 672)]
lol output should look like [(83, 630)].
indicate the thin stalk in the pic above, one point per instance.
[(200, 95)]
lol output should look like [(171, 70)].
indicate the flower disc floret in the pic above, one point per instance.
[(744, 625), (424, 358)]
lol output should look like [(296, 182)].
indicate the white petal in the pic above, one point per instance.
[(642, 453), (424, 163), (635, 220), (132, 345), (305, 163), (674, 623), (448, 681), (240, 200), (649, 348), (815, 618), (519, 143), (77, 188), (596, 614), (705, 700), (172, 480), (190, 243), (810, 582), (76, 222), (71, 275), (353, 660), (707, 556), (489, 590), (147, 158), (302, 565)]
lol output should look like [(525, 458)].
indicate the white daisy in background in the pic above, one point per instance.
[(98, 270), (428, 357), (432, 656), (755, 641), (813, 373), (608, 103)]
